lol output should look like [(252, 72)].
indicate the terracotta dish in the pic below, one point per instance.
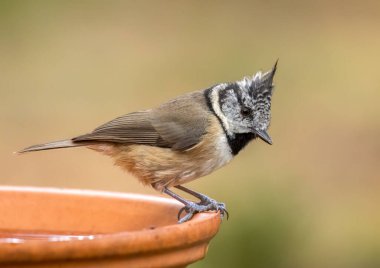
[(42, 227)]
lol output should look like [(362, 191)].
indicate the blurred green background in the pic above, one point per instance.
[(310, 200)]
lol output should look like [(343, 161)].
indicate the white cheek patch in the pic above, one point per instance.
[(215, 105), (224, 151)]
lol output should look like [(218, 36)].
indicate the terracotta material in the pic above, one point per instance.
[(73, 228)]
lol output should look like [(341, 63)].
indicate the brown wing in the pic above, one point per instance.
[(178, 124), (183, 121), (133, 128)]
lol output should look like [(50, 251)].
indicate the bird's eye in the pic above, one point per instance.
[(245, 111)]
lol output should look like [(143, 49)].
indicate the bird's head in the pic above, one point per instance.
[(244, 106)]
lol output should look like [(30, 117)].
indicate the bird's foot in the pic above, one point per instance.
[(192, 208), (206, 204), (217, 206)]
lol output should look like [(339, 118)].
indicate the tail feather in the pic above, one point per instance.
[(53, 145)]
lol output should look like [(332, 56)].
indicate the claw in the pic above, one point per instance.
[(223, 212), (222, 209), (227, 214), (191, 209), (187, 217), (180, 212), (205, 205)]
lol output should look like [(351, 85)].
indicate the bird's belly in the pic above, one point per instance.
[(164, 167)]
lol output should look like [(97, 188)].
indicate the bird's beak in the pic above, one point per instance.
[(262, 134)]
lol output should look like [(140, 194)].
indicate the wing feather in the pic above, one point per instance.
[(133, 128), (178, 124)]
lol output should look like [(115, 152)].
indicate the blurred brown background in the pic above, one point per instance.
[(310, 200)]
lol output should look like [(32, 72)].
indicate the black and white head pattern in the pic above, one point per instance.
[(244, 106)]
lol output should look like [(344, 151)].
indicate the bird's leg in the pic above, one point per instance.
[(205, 200), (190, 207)]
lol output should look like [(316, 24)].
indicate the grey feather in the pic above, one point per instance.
[(183, 121), (171, 125), (52, 145), (133, 128)]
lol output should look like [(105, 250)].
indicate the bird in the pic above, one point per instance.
[(185, 138)]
